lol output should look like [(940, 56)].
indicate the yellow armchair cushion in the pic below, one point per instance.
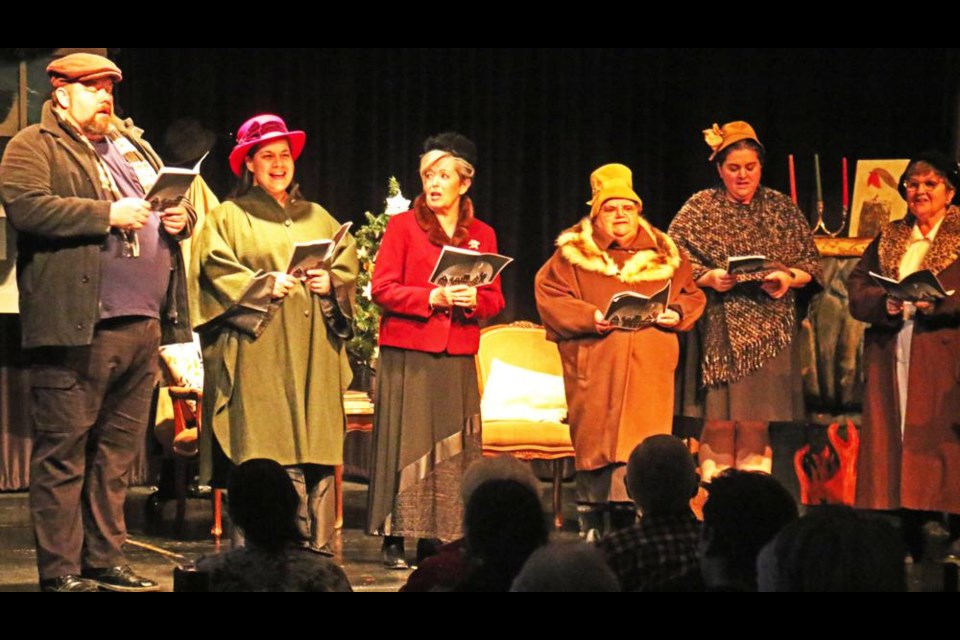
[(518, 394), (183, 364), (515, 437)]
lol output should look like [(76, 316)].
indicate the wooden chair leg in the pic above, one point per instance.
[(217, 529), (180, 492), (558, 494), (338, 488)]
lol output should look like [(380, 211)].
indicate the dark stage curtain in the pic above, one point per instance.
[(544, 118), (16, 439)]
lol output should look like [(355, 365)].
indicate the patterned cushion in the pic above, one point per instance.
[(183, 364)]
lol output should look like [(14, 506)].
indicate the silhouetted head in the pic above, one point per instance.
[(661, 475), (834, 549), (743, 512), (263, 503)]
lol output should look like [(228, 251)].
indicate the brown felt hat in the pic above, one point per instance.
[(81, 67), (719, 138)]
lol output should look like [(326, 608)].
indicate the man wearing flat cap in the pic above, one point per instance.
[(100, 278)]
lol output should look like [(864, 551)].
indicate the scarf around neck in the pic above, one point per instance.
[(579, 247), (427, 220), (944, 250)]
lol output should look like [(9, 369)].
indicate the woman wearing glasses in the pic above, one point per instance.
[(749, 362), (910, 440), (618, 382)]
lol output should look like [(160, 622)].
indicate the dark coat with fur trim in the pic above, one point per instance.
[(920, 468), (408, 253), (619, 386)]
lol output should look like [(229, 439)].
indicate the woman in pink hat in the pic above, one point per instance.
[(275, 365)]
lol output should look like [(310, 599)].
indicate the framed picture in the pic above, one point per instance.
[(10, 115), (876, 200), (8, 267)]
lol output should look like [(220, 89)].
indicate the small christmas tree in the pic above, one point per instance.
[(366, 319)]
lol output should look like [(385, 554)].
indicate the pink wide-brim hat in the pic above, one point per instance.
[(263, 128)]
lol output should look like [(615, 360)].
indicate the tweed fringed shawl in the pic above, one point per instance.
[(744, 328)]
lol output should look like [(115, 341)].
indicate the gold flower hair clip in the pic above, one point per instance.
[(713, 137)]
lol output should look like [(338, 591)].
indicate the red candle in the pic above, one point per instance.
[(793, 180), (846, 187)]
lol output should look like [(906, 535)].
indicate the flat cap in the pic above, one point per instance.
[(81, 67)]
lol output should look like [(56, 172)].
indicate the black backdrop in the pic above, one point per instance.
[(544, 118)]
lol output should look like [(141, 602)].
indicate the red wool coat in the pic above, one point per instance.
[(401, 288)]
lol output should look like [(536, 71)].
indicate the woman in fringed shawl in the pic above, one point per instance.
[(427, 418), (749, 364), (275, 364), (910, 439), (619, 383)]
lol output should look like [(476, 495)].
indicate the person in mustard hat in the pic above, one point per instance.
[(274, 344), (101, 283), (618, 378), (749, 365)]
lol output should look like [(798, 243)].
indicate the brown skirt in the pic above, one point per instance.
[(773, 393), (426, 433)]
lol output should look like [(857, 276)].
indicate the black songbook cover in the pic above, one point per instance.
[(464, 267), (632, 311)]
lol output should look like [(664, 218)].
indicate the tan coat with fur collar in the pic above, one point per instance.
[(619, 386)]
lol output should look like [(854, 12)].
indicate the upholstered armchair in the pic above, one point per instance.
[(523, 406), (182, 368)]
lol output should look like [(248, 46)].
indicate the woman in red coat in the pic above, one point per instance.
[(427, 424), (910, 439)]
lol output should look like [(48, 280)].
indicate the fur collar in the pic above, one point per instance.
[(943, 252), (427, 220), (580, 249)]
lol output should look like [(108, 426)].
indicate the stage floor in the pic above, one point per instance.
[(157, 554)]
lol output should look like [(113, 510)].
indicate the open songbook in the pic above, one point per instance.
[(312, 255), (917, 287), (747, 265), (462, 266), (631, 311), (172, 185)]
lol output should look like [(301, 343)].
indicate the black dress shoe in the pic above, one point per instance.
[(120, 578), (67, 584), (393, 553), (325, 550)]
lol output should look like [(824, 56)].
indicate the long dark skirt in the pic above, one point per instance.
[(426, 432)]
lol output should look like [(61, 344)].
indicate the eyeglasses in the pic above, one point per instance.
[(612, 210), (914, 185)]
